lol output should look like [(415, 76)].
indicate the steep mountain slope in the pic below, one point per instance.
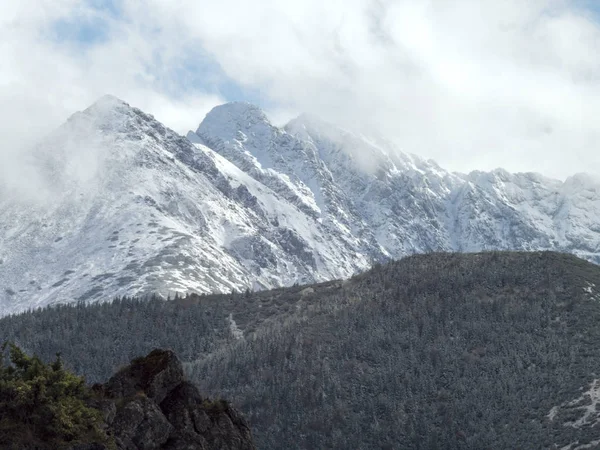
[(135, 208), (243, 204), (400, 204), (459, 351), (291, 167)]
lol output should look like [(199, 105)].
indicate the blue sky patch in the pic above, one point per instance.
[(81, 31), (194, 70), (593, 6), (201, 71), (88, 25)]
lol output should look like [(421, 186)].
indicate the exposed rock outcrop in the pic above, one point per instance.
[(307, 203), (155, 375), (214, 424), (148, 405)]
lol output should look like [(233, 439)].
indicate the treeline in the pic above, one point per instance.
[(433, 351)]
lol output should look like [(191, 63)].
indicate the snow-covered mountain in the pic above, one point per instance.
[(131, 207)]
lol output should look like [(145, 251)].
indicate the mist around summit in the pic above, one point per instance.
[(122, 205)]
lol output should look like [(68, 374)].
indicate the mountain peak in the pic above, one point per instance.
[(106, 103), (110, 99), (307, 123), (237, 111), (254, 205), (239, 106), (308, 119), (105, 110), (227, 119)]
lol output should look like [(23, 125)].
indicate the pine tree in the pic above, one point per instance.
[(43, 405)]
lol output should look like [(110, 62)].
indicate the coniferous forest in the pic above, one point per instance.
[(451, 351)]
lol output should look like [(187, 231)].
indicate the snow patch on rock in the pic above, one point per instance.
[(134, 208)]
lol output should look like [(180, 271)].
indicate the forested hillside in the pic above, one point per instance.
[(492, 350), (147, 405)]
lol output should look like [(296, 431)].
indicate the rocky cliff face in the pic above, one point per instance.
[(149, 405), (131, 208), (388, 203)]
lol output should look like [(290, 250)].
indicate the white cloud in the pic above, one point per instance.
[(470, 83), (43, 80)]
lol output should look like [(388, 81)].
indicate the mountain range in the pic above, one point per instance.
[(129, 207)]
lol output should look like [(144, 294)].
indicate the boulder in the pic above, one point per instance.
[(187, 441), (155, 375), (140, 425), (149, 405), (216, 423), (181, 407), (89, 447)]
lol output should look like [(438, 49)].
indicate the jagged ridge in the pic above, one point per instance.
[(134, 208)]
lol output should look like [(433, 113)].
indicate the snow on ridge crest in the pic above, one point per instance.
[(227, 119), (242, 203), (413, 205)]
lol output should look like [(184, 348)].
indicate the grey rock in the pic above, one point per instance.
[(140, 425), (305, 203), (155, 375), (148, 405), (215, 424), (89, 447), (106, 406), (187, 441)]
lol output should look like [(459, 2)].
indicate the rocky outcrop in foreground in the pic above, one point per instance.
[(149, 405)]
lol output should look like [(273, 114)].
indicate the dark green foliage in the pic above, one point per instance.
[(433, 351), (99, 339), (43, 406)]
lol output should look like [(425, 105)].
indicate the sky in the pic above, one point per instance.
[(472, 84)]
